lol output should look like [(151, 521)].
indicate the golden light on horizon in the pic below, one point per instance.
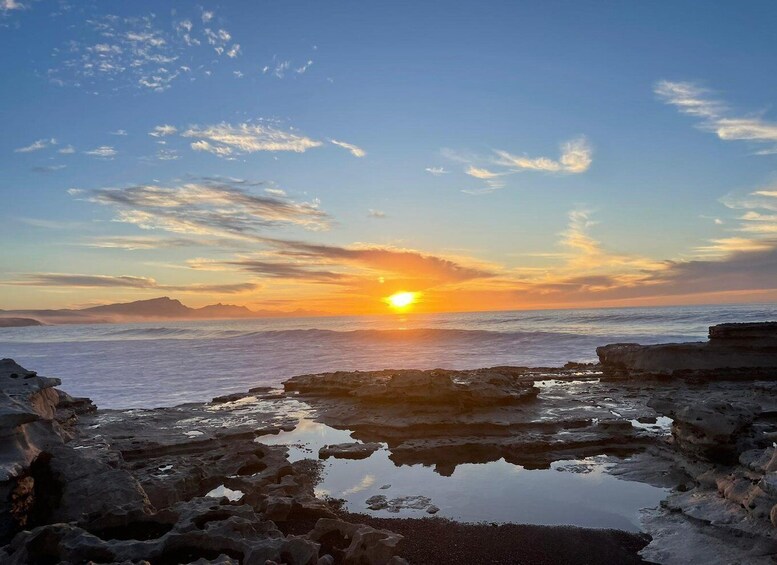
[(402, 300)]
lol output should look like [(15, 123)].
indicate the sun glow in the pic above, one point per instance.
[(401, 300)]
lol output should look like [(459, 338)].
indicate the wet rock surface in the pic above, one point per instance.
[(349, 450), (195, 483), (138, 486)]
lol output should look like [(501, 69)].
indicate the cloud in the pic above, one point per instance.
[(49, 168), (103, 152), (278, 68), (372, 213), (355, 150), (590, 273), (124, 281), (288, 271), (11, 5), (436, 171), (163, 130), (716, 116), (754, 229), (433, 269), (120, 132), (363, 271), (575, 158), (52, 224), (36, 146), (226, 140), (304, 68), (481, 191), (67, 150), (83, 281), (742, 270), (167, 155), (139, 242), (689, 98), (482, 173), (209, 206), (113, 52)]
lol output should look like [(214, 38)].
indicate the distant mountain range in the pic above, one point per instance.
[(163, 308)]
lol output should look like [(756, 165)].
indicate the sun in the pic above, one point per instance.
[(402, 300)]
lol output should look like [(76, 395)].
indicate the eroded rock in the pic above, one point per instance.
[(354, 450), (131, 487)]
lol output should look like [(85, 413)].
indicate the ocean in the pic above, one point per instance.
[(145, 365)]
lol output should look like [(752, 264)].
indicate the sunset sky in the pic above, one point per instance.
[(325, 155)]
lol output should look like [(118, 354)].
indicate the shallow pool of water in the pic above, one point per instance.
[(571, 492)]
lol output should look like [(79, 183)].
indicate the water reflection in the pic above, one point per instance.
[(571, 492)]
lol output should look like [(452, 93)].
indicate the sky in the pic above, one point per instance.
[(323, 156)]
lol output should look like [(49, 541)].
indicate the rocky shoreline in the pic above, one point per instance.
[(195, 483)]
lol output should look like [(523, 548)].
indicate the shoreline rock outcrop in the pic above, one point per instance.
[(734, 350), (195, 484), (141, 486)]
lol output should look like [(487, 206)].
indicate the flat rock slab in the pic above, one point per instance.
[(354, 450)]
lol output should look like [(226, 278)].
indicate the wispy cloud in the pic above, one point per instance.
[(302, 69), (147, 52), (139, 242), (354, 150), (11, 5), (163, 130), (67, 150), (103, 152), (120, 132), (48, 168), (436, 171), (716, 116), (213, 207), (279, 67), (373, 213), (227, 140), (281, 270), (754, 228), (576, 157), (361, 270), (36, 145), (483, 174), (167, 155), (431, 268), (123, 281)]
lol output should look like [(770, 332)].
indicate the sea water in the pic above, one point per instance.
[(164, 363)]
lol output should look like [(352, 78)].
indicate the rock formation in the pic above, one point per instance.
[(81, 486), (733, 349), (192, 484)]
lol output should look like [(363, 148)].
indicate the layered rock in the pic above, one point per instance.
[(35, 419), (175, 485), (463, 389), (742, 350), (348, 450)]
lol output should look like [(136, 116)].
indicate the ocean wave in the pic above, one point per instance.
[(409, 334)]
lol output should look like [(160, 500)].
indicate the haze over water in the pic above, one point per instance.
[(165, 363)]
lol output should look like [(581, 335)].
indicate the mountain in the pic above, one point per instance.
[(154, 308), (224, 311), (163, 308)]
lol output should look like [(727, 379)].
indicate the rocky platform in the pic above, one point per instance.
[(194, 483), (745, 349), (181, 485)]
